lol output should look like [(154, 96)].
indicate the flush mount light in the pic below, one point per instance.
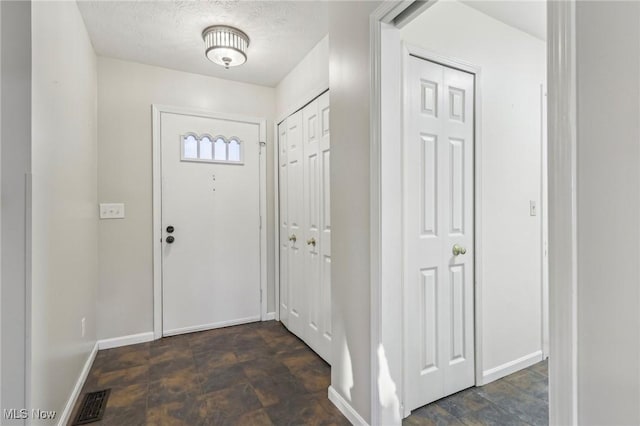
[(226, 46)]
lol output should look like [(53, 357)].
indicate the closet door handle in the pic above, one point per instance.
[(311, 242), (293, 238)]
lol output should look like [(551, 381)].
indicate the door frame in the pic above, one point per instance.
[(409, 50), (157, 111), (385, 124)]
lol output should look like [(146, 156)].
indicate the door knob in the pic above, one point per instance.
[(457, 249), (170, 239), (293, 238), (170, 229), (311, 242)]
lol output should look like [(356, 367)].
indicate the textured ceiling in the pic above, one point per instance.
[(168, 33), (525, 15)]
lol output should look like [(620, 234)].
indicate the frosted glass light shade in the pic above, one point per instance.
[(226, 46)]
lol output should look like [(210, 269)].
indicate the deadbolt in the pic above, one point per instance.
[(170, 239), (170, 229)]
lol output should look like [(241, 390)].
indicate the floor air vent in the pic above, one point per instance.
[(92, 408)]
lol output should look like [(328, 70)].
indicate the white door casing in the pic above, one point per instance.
[(438, 214), (213, 273)]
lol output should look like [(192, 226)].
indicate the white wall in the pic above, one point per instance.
[(126, 91), (513, 66), (65, 195), (608, 212), (304, 82), (16, 165), (350, 211)]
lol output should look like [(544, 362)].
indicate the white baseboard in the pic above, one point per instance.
[(210, 326), (132, 339), (345, 408), (270, 316), (510, 367), (75, 393)]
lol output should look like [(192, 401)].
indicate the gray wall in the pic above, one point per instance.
[(349, 64), (64, 199), (15, 136), (608, 212)]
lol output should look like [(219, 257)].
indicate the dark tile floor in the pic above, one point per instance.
[(518, 399), (254, 374), (260, 374)]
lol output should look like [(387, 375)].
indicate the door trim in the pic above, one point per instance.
[(409, 50), (156, 111)]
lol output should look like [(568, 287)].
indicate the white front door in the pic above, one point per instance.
[(438, 232), (210, 222)]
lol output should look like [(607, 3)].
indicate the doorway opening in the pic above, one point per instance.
[(505, 304)]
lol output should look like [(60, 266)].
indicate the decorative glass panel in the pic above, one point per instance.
[(234, 150), (220, 150), (190, 147), (211, 150), (206, 148)]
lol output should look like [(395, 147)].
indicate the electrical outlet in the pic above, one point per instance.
[(533, 211), (83, 325), (111, 211)]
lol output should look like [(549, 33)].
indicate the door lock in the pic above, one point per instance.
[(457, 250), (170, 239)]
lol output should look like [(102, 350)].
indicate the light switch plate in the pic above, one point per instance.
[(111, 211), (533, 211)]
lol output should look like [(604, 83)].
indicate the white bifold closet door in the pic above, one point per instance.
[(305, 226), (438, 232)]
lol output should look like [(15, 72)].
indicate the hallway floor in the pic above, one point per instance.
[(254, 374), (518, 399), (260, 374)]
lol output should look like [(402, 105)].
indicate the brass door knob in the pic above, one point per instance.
[(293, 238), (311, 242), (457, 250)]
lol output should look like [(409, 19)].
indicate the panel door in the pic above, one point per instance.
[(283, 237), (295, 216), (210, 222), (316, 148), (438, 219)]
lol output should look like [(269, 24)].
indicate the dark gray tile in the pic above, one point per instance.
[(517, 402), (432, 415), (461, 403), (491, 415), (530, 382)]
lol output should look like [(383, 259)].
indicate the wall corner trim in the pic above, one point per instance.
[(75, 393), (510, 367), (131, 339), (345, 408), (269, 316)]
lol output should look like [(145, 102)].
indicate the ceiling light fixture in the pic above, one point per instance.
[(226, 46)]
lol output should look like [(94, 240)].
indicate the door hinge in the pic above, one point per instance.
[(260, 224), (260, 295)]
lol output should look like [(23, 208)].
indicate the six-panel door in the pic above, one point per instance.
[(438, 230), (305, 225)]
